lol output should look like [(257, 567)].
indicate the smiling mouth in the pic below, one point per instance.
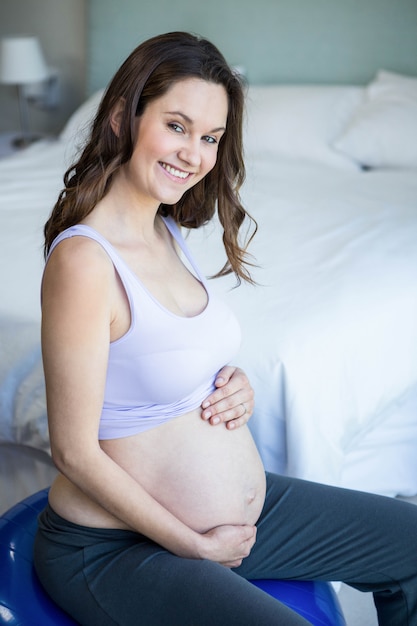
[(174, 172)]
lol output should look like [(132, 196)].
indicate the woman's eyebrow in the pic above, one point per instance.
[(190, 121)]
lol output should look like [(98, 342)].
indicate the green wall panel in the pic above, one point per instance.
[(292, 41)]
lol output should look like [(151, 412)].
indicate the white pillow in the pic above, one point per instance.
[(383, 130), (299, 121), (78, 125)]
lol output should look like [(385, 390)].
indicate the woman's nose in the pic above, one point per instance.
[(190, 153)]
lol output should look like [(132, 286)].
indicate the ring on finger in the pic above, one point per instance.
[(244, 408)]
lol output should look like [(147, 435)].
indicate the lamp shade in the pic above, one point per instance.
[(22, 61)]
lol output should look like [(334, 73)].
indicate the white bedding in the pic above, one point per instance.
[(330, 332)]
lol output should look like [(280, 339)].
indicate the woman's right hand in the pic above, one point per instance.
[(228, 544)]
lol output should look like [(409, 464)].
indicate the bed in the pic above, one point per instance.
[(330, 330)]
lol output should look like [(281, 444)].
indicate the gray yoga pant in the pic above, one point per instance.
[(306, 531)]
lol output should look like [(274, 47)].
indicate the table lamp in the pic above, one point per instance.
[(22, 63)]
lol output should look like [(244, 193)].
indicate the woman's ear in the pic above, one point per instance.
[(116, 116)]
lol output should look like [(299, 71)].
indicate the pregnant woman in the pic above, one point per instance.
[(162, 509)]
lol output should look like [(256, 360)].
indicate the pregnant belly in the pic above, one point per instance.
[(205, 475)]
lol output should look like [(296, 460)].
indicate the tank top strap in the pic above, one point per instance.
[(86, 231), (177, 235), (118, 262)]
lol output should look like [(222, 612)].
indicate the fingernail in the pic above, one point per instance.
[(205, 404), (206, 415), (220, 380), (215, 420)]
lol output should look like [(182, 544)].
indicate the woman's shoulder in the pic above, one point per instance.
[(77, 288), (78, 260)]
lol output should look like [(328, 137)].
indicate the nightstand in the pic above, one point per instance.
[(6, 146), (6, 143)]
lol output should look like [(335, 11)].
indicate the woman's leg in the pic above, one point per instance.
[(168, 590), (107, 578), (312, 531)]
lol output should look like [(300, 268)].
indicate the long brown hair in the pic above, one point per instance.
[(149, 71)]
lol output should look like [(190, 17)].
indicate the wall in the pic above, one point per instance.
[(323, 41), (292, 41), (61, 26)]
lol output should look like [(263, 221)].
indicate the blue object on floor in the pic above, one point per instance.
[(316, 600), (23, 602)]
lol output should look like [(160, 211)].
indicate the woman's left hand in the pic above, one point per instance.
[(232, 402)]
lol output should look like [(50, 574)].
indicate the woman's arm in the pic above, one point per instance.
[(233, 400), (79, 295)]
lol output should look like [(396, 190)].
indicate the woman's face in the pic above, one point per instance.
[(177, 140)]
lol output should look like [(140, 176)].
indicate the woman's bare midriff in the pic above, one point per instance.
[(205, 475)]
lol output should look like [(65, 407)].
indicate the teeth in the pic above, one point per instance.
[(174, 172)]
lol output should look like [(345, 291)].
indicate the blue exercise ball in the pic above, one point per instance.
[(23, 602)]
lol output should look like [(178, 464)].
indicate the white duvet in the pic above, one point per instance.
[(330, 332)]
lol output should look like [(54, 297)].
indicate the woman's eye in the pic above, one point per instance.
[(176, 127), (210, 139)]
